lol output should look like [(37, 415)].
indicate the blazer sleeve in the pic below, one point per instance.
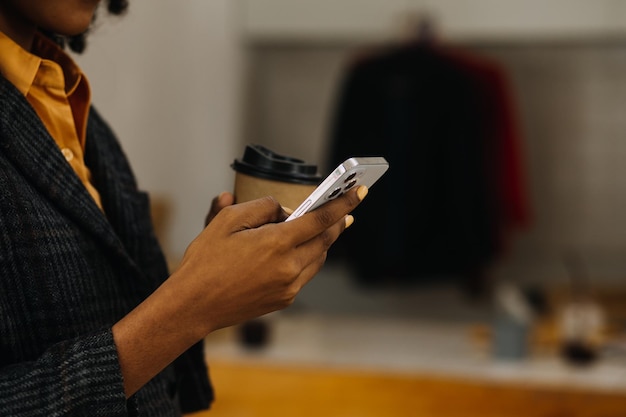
[(76, 377)]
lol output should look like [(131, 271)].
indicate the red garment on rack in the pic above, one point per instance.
[(505, 162)]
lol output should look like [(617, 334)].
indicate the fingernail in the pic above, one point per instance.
[(362, 192), (287, 210), (222, 194), (349, 219)]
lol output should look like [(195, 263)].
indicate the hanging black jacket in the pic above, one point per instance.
[(435, 214)]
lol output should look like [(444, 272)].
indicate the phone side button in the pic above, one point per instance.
[(303, 208)]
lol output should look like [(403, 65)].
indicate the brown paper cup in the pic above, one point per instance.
[(261, 172), (288, 195)]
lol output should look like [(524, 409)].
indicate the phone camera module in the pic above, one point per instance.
[(335, 193), (350, 185), (349, 178)]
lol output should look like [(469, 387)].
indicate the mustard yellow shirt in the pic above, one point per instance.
[(58, 91)]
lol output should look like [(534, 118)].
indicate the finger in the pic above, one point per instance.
[(314, 251), (322, 242), (225, 199), (255, 213), (313, 223)]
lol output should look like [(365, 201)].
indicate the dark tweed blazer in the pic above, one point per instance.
[(68, 272)]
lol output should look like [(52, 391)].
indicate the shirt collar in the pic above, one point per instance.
[(17, 65), (20, 67)]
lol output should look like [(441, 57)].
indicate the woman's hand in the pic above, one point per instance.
[(247, 262)]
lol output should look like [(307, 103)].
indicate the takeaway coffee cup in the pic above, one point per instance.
[(262, 172), (259, 173)]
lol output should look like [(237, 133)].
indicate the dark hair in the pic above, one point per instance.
[(78, 43)]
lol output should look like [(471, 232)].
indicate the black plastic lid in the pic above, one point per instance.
[(258, 161)]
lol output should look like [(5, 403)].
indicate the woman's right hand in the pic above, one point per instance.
[(246, 262), (249, 262)]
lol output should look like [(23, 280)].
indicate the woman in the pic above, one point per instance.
[(91, 321)]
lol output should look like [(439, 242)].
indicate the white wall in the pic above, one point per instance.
[(458, 19), (166, 77)]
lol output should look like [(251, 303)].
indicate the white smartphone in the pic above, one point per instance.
[(349, 174)]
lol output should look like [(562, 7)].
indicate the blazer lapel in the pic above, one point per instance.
[(27, 143)]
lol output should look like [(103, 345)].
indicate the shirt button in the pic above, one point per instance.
[(68, 154)]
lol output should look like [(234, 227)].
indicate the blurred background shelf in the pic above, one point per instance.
[(337, 362)]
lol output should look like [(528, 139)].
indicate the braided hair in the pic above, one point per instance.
[(78, 43)]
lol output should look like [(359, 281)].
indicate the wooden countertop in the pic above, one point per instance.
[(321, 365)]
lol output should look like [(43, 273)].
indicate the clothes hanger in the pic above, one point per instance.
[(417, 28)]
